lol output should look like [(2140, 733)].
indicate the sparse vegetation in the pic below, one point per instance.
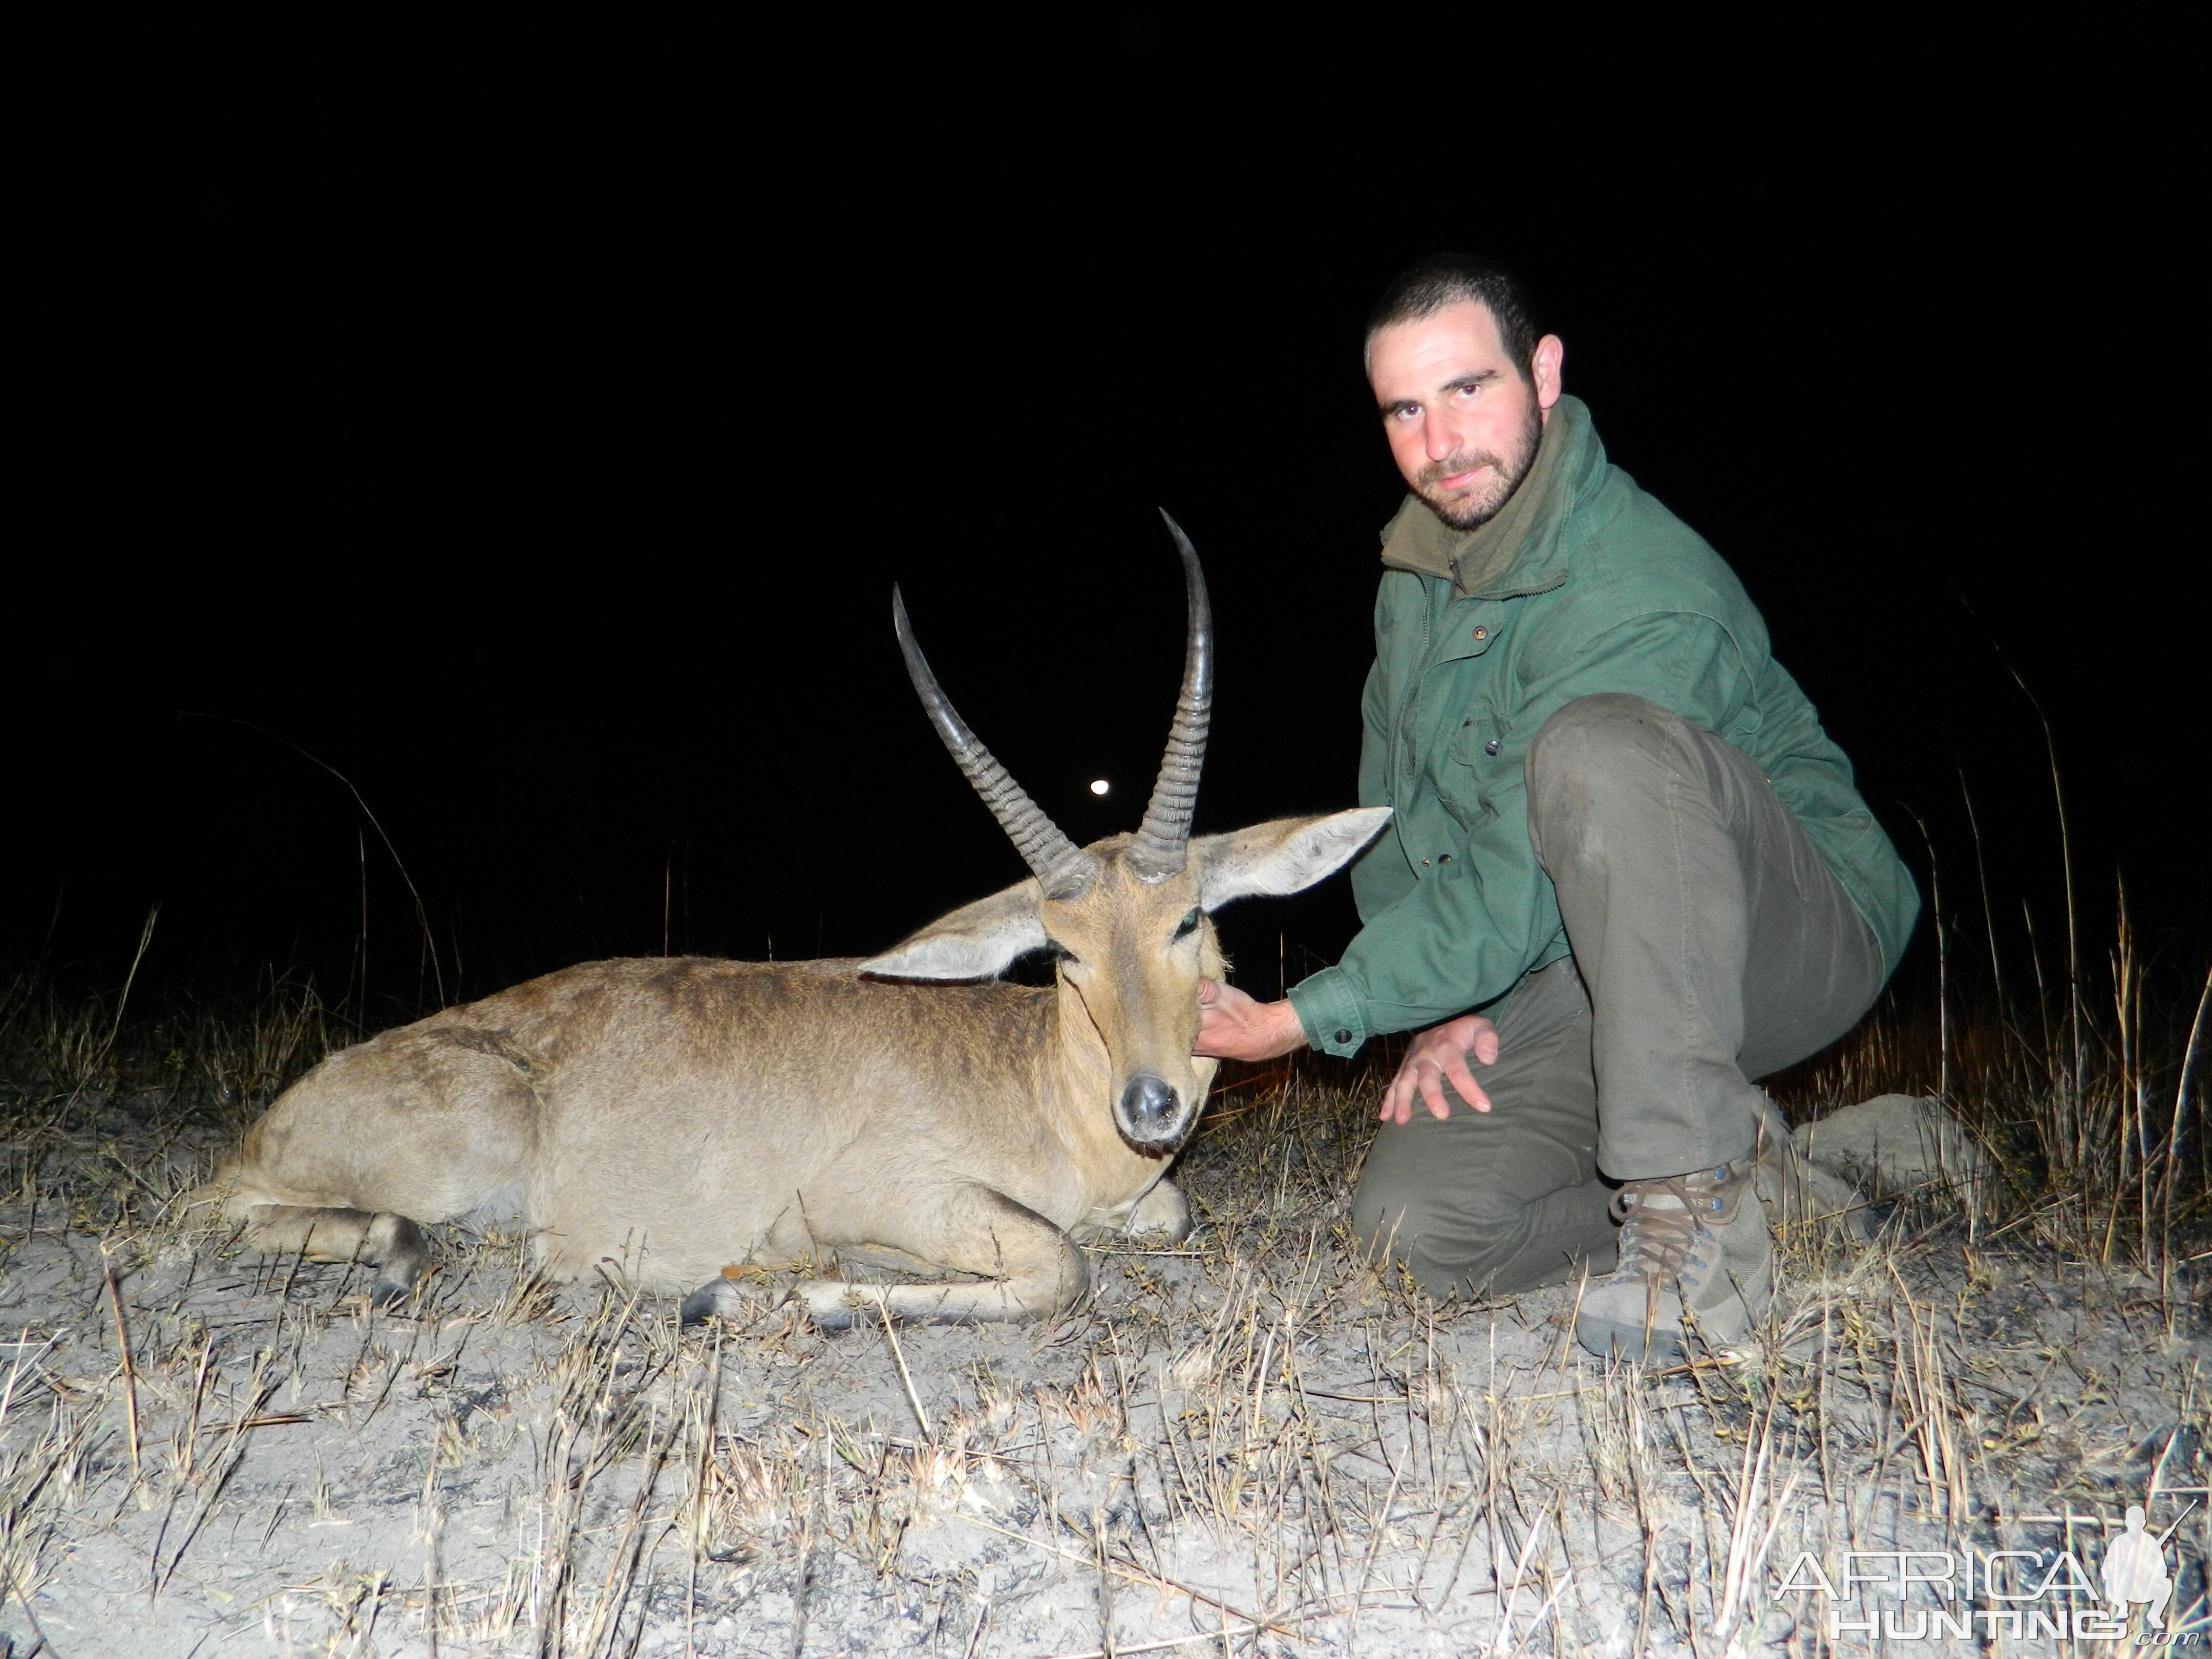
[(1256, 1442)]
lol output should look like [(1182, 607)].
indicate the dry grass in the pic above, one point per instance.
[(1256, 1442)]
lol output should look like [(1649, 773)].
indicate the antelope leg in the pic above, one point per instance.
[(1033, 1270), (1163, 1212), (393, 1245)]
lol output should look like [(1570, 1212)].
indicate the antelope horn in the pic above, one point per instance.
[(1162, 843), (1046, 851)]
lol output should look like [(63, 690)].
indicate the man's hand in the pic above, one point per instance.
[(1439, 1056), (1234, 1026)]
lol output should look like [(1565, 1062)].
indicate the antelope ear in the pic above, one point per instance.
[(976, 941), (1284, 856)]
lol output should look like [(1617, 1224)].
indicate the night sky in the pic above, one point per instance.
[(531, 431)]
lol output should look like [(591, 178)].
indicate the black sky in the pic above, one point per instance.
[(532, 430)]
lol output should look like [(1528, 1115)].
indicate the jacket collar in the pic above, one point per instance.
[(1521, 550)]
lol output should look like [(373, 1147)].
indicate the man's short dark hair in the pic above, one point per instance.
[(1428, 286)]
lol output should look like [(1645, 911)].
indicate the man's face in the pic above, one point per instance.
[(1463, 419)]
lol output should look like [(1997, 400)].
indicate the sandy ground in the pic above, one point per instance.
[(1253, 1442)]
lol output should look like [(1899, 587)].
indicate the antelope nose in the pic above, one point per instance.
[(1148, 1103)]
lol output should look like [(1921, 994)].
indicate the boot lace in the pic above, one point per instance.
[(1660, 1243)]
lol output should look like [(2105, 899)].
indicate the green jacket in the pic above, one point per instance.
[(1581, 583)]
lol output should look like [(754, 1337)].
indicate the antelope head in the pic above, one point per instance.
[(1127, 917)]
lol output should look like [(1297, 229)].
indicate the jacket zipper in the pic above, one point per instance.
[(1401, 745)]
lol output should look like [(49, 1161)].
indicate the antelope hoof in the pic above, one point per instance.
[(702, 1305), (400, 1251), (720, 1298)]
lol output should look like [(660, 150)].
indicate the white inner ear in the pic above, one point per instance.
[(1286, 856), (976, 941)]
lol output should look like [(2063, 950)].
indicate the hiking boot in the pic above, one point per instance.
[(1777, 1172), (1689, 1246), (1792, 1189)]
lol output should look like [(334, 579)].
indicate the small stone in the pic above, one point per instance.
[(1893, 1142)]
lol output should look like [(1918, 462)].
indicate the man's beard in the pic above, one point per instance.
[(1473, 510)]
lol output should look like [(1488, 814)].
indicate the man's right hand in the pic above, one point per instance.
[(1439, 1056), (1232, 1025)]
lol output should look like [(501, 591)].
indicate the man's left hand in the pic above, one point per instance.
[(1438, 1056)]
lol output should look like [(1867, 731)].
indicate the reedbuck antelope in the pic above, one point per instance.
[(663, 1120)]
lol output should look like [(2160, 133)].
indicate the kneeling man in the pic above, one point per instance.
[(1621, 833)]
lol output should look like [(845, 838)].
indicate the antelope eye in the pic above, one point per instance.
[(1187, 927)]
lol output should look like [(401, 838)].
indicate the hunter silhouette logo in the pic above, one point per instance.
[(2135, 1569)]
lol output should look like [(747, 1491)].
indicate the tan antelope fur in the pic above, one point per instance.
[(663, 1119)]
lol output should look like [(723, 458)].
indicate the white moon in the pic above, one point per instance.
[(1098, 786)]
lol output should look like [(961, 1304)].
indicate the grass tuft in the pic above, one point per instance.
[(1258, 1441)]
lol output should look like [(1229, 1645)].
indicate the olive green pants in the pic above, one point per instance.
[(1711, 946)]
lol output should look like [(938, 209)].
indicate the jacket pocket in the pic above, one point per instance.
[(1473, 759)]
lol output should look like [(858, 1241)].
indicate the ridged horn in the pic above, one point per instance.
[(1162, 842), (1046, 851)]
